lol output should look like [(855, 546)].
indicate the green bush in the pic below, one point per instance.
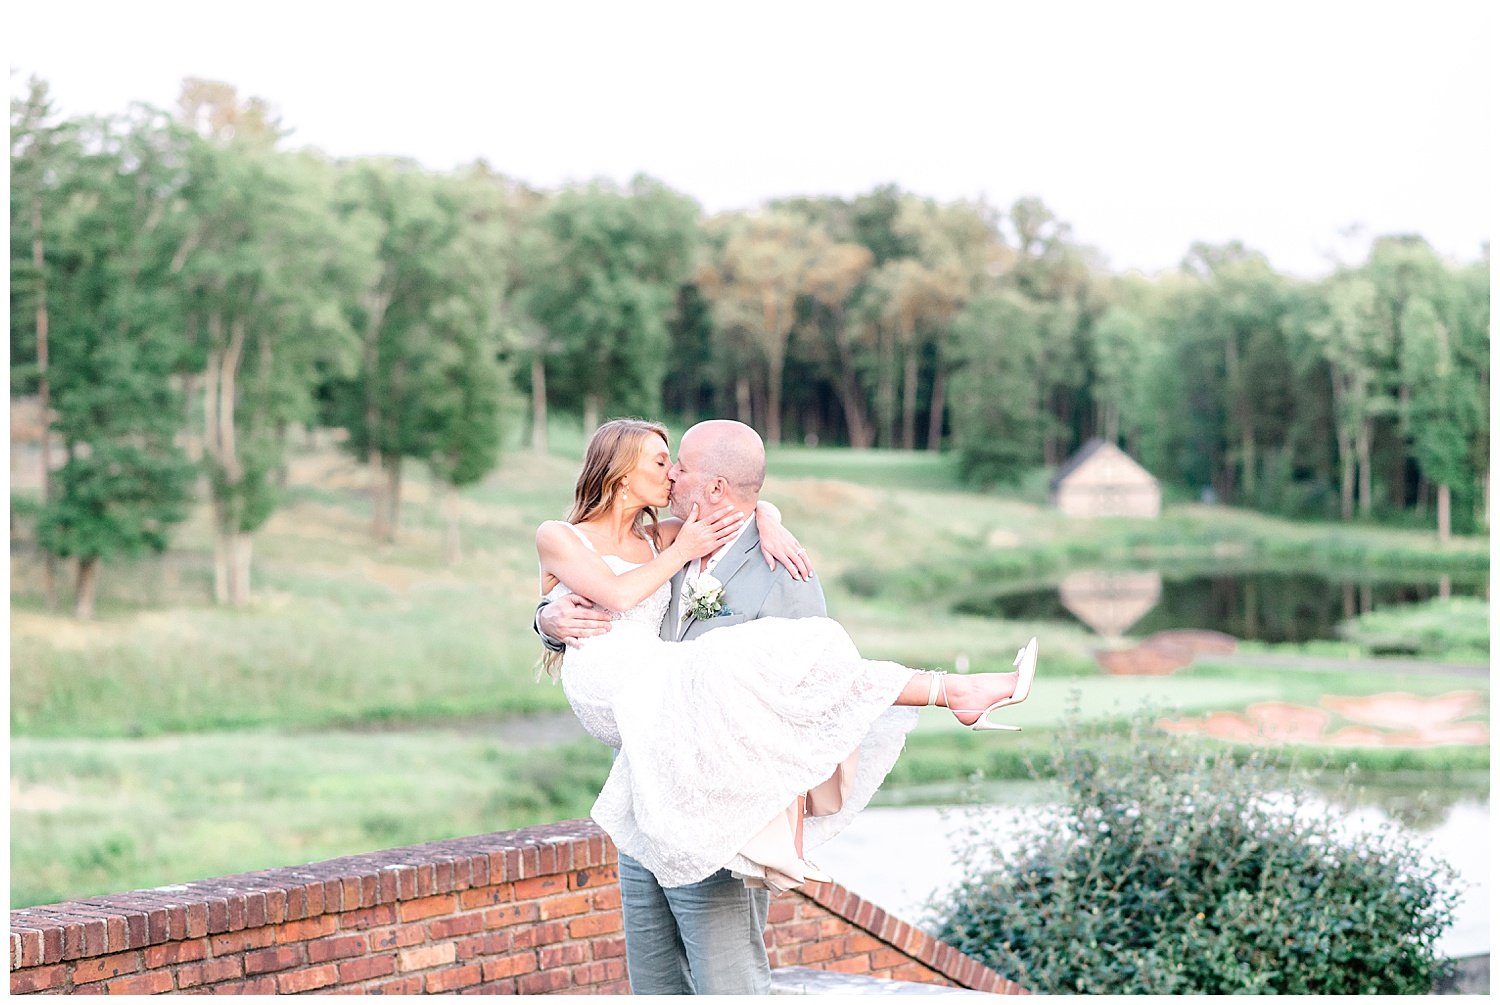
[(1168, 868)]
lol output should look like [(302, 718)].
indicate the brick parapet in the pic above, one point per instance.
[(531, 911)]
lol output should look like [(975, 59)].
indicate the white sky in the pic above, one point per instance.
[(1146, 126)]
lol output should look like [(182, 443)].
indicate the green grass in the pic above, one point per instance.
[(171, 739), (97, 816)]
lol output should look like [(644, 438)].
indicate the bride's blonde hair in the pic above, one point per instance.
[(611, 455)]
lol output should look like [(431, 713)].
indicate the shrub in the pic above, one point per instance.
[(1168, 868)]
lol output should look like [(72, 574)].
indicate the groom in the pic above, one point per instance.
[(704, 938)]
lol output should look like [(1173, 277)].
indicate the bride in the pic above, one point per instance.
[(746, 745)]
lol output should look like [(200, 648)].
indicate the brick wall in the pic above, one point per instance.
[(534, 911)]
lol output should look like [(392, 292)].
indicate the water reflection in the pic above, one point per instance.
[(1269, 605)]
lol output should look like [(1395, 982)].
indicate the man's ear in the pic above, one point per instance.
[(718, 490)]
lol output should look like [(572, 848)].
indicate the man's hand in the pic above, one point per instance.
[(571, 618)]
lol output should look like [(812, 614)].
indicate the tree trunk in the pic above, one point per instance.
[(1366, 474), (44, 387), (742, 400), (240, 547), (939, 404), (450, 506), (221, 554), (379, 504), (773, 402), (593, 406), (1247, 462), (1444, 513), (909, 399), (885, 392), (1346, 479), (88, 587), (393, 497), (538, 404)]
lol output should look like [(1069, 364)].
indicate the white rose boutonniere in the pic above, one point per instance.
[(705, 599)]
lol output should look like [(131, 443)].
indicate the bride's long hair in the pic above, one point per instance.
[(612, 454)]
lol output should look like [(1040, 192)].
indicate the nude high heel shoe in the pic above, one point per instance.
[(1025, 661)]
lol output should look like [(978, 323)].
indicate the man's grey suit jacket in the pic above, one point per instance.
[(751, 591)]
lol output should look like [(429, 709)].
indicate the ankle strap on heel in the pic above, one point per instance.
[(936, 686)]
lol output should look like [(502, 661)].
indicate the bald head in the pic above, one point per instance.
[(718, 461)]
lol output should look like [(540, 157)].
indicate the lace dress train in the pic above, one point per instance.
[(726, 740)]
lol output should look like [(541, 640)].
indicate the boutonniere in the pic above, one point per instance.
[(705, 599)]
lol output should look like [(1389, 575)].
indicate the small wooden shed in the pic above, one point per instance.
[(1102, 480)]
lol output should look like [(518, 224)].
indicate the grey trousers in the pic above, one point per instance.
[(705, 938)]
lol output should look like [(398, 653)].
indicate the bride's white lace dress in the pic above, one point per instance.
[(718, 737)]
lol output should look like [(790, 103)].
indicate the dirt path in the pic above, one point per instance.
[(1388, 666)]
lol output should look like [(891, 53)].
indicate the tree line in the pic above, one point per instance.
[(185, 289)]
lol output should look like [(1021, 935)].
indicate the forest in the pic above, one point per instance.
[(187, 289)]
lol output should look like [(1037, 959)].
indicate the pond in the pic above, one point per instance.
[(1267, 605)]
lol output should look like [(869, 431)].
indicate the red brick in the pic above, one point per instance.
[(780, 910), (565, 906), (337, 948), (37, 979), (399, 938), (850, 965), (399, 986), (485, 896), (154, 983), (802, 931), (430, 907), (817, 952), (210, 972), (540, 886), (297, 981), (599, 923), (505, 987), (540, 935), (368, 917), (423, 957), (461, 924), (366, 967), (542, 982), (860, 942), (883, 959), (238, 942), (258, 986), (104, 967), (607, 948), (916, 973), (603, 875), (264, 961), (450, 980), (509, 966), (176, 952), (307, 929), (565, 955), (607, 898), (500, 917)]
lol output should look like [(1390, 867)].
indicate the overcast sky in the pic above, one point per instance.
[(1145, 125)]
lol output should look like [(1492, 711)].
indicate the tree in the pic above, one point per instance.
[(1353, 343), (265, 272), (435, 281), (831, 282), (43, 153), (998, 409), (767, 262), (600, 273), (117, 322)]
